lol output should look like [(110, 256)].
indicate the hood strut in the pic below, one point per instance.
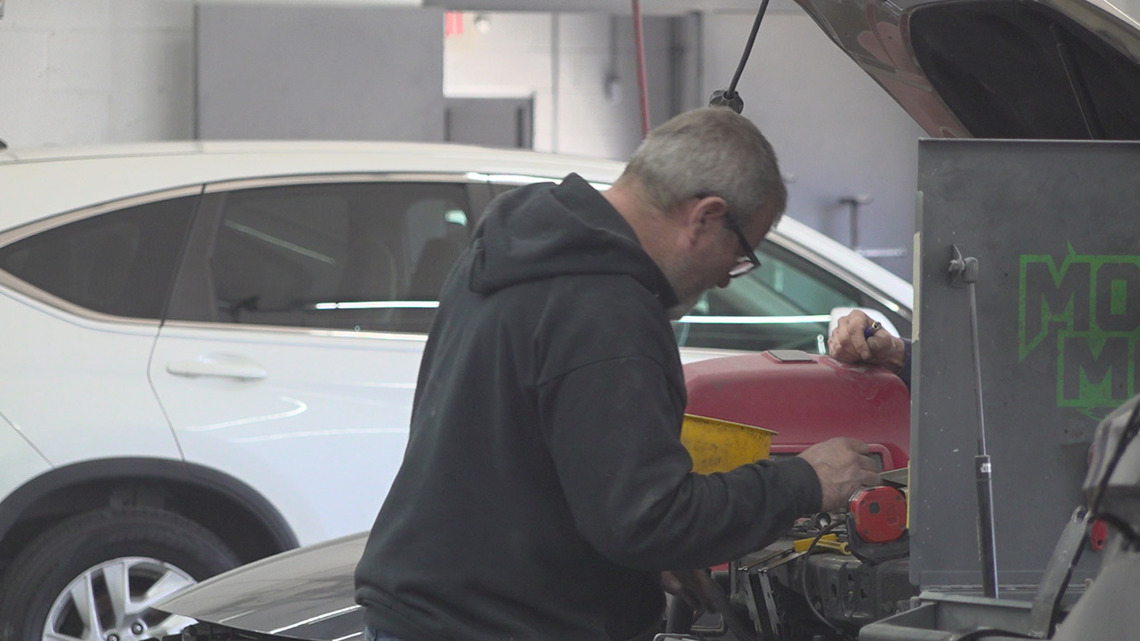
[(729, 97), (1079, 86)]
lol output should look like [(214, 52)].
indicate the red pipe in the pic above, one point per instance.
[(643, 92)]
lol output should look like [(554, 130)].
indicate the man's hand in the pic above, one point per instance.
[(843, 465), (692, 586), (851, 344)]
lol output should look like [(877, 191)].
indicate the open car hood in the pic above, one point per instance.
[(1048, 69)]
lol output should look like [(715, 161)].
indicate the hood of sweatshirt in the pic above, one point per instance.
[(546, 230)]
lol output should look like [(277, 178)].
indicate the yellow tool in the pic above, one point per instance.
[(827, 542), (719, 446)]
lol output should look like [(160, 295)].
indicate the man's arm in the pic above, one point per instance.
[(615, 443)]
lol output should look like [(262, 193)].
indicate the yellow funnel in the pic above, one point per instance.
[(720, 446)]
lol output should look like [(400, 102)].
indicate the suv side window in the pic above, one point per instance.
[(786, 304), (119, 263), (333, 255)]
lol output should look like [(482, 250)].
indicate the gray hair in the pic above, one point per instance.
[(712, 151)]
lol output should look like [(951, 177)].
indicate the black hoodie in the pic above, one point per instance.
[(545, 486)]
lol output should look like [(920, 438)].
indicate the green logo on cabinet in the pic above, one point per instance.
[(1086, 308)]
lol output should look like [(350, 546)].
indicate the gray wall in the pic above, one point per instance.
[(319, 72), (837, 134)]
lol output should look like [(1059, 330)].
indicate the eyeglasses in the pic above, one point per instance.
[(748, 261)]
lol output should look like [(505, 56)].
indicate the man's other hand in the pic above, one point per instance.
[(843, 465), (691, 585), (851, 342)]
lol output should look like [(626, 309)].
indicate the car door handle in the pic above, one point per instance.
[(218, 366)]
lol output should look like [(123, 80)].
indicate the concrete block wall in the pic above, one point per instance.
[(91, 71)]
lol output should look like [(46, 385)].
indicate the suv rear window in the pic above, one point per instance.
[(119, 263), (367, 256)]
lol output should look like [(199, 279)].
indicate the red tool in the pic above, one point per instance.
[(878, 514), (876, 524)]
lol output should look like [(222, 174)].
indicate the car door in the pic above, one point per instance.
[(81, 295), (293, 338)]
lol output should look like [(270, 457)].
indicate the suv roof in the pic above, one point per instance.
[(109, 171)]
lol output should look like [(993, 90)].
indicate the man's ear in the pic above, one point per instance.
[(705, 215)]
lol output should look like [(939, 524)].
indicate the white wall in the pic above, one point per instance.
[(573, 54), (89, 71), (92, 71)]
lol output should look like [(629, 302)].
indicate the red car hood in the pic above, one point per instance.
[(1048, 69)]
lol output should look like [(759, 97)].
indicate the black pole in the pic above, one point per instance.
[(986, 524), (964, 271)]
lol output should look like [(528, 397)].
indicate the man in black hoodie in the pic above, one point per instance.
[(545, 488)]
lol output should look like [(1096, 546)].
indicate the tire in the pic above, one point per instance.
[(60, 582)]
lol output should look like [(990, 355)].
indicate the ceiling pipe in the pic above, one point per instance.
[(643, 92)]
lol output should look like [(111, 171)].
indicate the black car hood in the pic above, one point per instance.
[(1048, 69), (303, 594)]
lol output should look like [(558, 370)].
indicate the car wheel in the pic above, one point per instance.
[(93, 577)]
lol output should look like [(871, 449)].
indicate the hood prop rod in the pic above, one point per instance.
[(964, 273), (729, 97)]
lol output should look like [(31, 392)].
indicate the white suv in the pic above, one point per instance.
[(209, 349)]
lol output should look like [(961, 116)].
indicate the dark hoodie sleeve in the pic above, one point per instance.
[(613, 431), (904, 373)]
